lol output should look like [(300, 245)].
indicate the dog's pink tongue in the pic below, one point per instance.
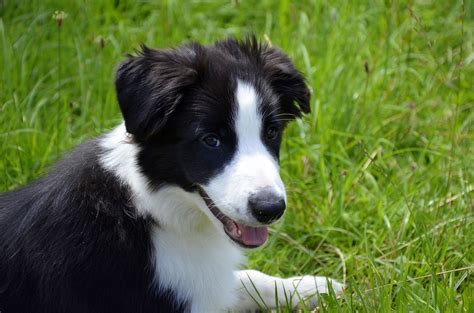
[(253, 236), (247, 235)]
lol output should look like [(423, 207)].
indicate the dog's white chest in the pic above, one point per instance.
[(198, 268)]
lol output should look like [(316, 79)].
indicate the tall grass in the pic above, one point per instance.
[(379, 176)]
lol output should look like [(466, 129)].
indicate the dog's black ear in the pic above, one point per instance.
[(150, 85), (287, 81)]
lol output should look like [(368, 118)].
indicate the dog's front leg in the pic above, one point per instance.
[(257, 290)]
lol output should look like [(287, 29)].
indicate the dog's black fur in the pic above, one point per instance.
[(72, 241)]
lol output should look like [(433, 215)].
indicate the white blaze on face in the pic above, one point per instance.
[(252, 167)]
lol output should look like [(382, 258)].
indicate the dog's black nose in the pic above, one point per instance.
[(266, 205)]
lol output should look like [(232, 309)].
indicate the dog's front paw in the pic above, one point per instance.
[(308, 288)]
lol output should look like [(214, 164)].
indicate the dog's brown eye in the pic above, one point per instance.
[(211, 141), (271, 132)]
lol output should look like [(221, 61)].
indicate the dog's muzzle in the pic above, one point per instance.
[(244, 235)]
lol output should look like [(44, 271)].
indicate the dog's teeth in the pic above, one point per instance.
[(239, 232)]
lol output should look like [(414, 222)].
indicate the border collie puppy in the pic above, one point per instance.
[(154, 216)]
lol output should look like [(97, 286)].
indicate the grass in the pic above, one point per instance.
[(380, 176)]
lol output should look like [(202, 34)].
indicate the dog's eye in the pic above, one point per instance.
[(211, 141), (271, 132)]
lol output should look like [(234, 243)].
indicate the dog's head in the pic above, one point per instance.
[(209, 119)]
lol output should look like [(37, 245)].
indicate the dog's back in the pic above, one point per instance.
[(73, 235)]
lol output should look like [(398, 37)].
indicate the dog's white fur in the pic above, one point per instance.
[(193, 255)]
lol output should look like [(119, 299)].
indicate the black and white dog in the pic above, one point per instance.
[(155, 215)]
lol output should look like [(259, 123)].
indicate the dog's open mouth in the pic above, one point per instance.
[(244, 235)]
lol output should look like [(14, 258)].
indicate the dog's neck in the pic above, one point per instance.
[(192, 254)]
